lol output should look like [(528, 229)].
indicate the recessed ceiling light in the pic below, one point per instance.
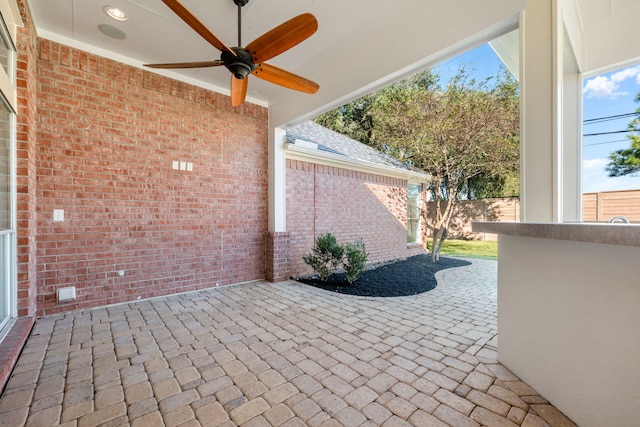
[(115, 13)]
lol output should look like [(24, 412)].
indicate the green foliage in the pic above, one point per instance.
[(627, 160), (465, 130), (355, 259), (328, 254), (351, 119), (506, 184), (464, 133)]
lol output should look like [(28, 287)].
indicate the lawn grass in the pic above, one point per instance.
[(469, 248)]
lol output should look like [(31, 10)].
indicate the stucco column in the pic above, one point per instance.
[(277, 238), (550, 111), (277, 183), (539, 189)]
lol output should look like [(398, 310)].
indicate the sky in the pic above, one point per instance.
[(481, 62), (605, 95)]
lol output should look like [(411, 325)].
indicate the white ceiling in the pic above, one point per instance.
[(360, 44)]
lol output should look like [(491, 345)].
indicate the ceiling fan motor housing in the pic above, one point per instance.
[(241, 65)]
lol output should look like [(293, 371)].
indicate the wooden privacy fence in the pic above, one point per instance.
[(467, 211), (601, 207), (596, 207)]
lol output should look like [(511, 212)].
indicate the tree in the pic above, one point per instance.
[(356, 121), (466, 135), (627, 160), (352, 119), (485, 186), (459, 133)]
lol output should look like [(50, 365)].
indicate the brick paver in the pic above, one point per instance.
[(277, 354)]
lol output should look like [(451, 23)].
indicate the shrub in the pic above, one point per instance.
[(355, 260), (326, 255)]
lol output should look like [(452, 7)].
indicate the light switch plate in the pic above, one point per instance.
[(189, 166), (183, 166), (58, 215), (175, 165)]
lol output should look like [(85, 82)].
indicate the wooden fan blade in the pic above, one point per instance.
[(202, 64), (282, 38), (285, 78), (238, 90), (196, 25)]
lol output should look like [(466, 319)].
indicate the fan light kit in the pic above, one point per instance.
[(251, 59)]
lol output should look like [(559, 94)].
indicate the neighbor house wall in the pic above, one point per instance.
[(108, 135), (351, 205)]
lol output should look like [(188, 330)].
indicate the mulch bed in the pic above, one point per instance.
[(410, 276)]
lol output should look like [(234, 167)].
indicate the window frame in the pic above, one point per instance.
[(414, 236), (8, 236)]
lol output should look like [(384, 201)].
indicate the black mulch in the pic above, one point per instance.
[(411, 276)]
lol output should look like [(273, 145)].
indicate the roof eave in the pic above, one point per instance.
[(331, 159)]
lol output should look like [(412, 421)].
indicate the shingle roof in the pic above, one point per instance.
[(337, 143)]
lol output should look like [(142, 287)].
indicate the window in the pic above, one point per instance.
[(6, 52), (8, 259), (413, 213), (7, 233), (5, 166)]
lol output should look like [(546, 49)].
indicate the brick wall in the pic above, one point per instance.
[(107, 136), (351, 205), (26, 78), (277, 256)]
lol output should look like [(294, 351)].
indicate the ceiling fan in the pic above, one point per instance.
[(251, 59)]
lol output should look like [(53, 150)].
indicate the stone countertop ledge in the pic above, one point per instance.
[(611, 234)]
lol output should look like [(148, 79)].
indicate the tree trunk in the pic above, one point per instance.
[(440, 231), (439, 236)]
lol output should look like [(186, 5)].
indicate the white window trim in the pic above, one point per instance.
[(10, 15), (418, 240)]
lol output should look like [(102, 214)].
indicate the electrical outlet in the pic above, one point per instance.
[(183, 166), (58, 215), (175, 165), (189, 166)]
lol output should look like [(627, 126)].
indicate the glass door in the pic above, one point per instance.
[(7, 228), (8, 248)]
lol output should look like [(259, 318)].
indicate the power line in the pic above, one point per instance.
[(609, 133), (605, 143), (609, 118)]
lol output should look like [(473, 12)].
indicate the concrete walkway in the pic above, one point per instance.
[(285, 354)]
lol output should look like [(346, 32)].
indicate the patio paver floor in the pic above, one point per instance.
[(282, 354)]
